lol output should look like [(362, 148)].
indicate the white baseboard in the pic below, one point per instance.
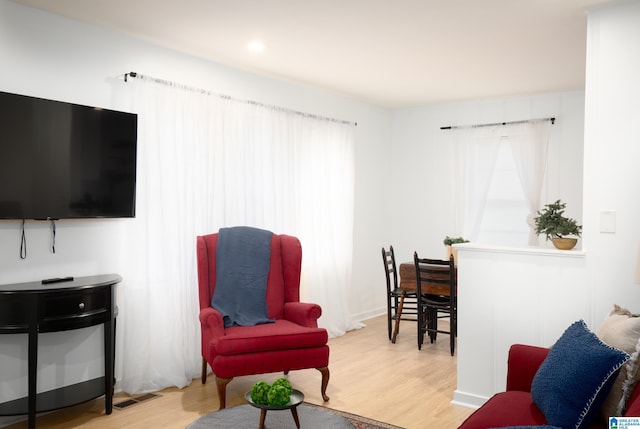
[(361, 317), (468, 400)]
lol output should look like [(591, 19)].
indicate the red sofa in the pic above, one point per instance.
[(515, 406)]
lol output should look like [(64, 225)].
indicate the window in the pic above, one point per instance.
[(504, 220), (499, 176)]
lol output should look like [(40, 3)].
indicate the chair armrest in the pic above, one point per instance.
[(211, 322), (523, 364), (302, 313)]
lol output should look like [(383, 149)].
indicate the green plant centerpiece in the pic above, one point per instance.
[(561, 230), (259, 392), (448, 241), (277, 394)]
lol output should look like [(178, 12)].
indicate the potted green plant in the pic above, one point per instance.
[(448, 241), (561, 230)]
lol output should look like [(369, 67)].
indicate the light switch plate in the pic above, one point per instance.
[(608, 221)]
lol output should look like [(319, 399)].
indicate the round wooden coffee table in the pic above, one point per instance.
[(296, 399)]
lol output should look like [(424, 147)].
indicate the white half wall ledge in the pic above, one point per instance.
[(524, 250), (503, 299)]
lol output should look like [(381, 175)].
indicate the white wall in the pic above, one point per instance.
[(612, 152), (531, 297), (501, 293), (52, 57), (422, 163)]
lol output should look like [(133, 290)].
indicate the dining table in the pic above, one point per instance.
[(409, 284)]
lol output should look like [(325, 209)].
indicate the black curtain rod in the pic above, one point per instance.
[(256, 103), (553, 120)]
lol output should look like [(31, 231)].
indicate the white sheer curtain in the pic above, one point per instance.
[(205, 162), (475, 153), (529, 145), (476, 150)]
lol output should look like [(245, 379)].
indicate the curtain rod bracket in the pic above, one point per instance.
[(132, 74)]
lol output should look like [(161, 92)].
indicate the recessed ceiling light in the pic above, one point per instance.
[(256, 46)]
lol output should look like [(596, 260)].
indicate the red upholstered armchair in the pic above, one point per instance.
[(293, 342)]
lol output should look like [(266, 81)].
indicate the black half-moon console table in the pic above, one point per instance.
[(60, 305)]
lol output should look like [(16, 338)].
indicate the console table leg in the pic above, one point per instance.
[(108, 364), (32, 384)]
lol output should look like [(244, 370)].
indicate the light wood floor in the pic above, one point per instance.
[(394, 383)]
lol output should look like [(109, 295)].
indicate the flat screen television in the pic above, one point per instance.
[(65, 161)]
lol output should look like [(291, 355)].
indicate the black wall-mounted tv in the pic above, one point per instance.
[(65, 161)]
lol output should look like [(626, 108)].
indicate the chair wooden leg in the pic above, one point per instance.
[(204, 370), (222, 390), (453, 331), (420, 320), (434, 315), (422, 328), (325, 382), (434, 324), (396, 329), (389, 315), (454, 316)]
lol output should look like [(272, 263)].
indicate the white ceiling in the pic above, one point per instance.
[(391, 53)]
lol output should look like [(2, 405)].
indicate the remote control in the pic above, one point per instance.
[(57, 280)]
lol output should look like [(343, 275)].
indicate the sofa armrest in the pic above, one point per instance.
[(302, 313), (633, 406), (523, 363), (211, 322)]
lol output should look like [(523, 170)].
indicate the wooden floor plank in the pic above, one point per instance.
[(394, 383)]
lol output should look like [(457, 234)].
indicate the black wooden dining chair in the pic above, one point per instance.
[(400, 305), (436, 286)]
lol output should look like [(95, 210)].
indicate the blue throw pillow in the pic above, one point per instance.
[(576, 377)]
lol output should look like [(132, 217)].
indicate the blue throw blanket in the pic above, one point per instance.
[(243, 258)]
